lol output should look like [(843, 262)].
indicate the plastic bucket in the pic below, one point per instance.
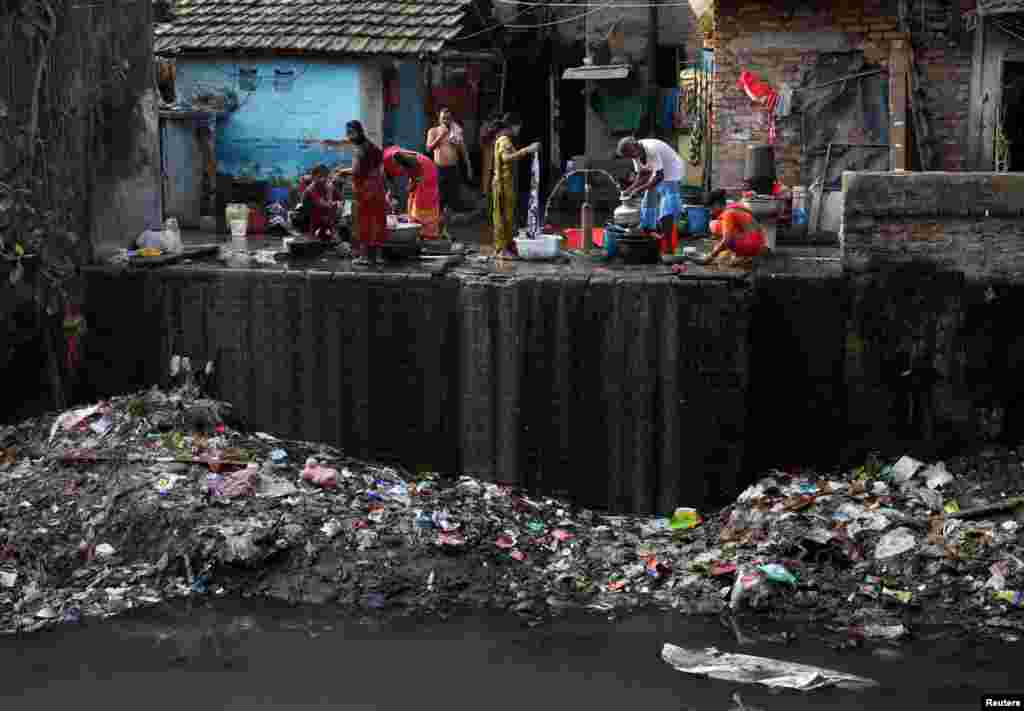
[(697, 219), (574, 237), (611, 245), (279, 194), (576, 183)]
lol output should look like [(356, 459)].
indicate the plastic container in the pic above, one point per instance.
[(236, 211), (239, 228), (698, 219), (257, 221), (279, 194), (611, 243), (542, 247), (574, 237)]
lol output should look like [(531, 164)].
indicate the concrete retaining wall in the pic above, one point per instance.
[(964, 222), (626, 393)]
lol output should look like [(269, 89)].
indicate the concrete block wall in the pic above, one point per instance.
[(961, 222)]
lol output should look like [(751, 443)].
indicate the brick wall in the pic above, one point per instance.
[(743, 22), (778, 45), (943, 55), (963, 222)]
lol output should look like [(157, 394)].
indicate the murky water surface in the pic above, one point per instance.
[(255, 655)]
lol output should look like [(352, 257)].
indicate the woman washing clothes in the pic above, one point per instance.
[(740, 239), (371, 205), (424, 202), (324, 202), (504, 195)]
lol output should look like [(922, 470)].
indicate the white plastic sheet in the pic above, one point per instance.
[(747, 669)]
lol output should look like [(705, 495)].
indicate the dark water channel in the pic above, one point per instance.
[(255, 655)]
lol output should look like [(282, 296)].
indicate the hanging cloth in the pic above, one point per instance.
[(533, 211), (762, 94)]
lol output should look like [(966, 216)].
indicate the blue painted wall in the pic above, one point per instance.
[(269, 135), (411, 126), (406, 125)]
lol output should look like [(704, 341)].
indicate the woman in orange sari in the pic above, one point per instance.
[(424, 203), (371, 208)]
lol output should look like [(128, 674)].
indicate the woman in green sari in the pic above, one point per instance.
[(503, 186)]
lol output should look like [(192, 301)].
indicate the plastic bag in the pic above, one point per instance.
[(895, 542)]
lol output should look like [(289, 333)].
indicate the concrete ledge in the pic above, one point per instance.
[(967, 222)]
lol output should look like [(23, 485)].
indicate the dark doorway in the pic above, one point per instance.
[(571, 104), (526, 93), (1013, 115)]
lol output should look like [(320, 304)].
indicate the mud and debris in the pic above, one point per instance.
[(162, 494)]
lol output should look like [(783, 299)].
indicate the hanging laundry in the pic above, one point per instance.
[(533, 211), (784, 106), (762, 94)]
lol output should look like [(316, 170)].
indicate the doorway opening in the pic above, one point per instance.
[(1009, 139)]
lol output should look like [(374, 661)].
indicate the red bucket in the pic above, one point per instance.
[(574, 237)]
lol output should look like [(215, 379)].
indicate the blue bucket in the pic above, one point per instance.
[(611, 243), (576, 183), (698, 219)]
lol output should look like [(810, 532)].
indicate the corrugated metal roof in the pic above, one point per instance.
[(402, 27)]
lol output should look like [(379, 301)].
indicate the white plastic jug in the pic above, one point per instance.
[(172, 237)]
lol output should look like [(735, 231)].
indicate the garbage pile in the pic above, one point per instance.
[(162, 494), (875, 551)]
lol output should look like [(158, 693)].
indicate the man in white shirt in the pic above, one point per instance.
[(659, 169)]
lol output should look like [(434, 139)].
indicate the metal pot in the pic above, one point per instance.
[(627, 214)]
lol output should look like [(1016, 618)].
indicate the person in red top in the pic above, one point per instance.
[(371, 208), (324, 202), (423, 205)]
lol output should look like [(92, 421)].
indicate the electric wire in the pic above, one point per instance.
[(564, 20), (528, 3)]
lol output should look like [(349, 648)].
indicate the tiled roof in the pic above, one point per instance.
[(402, 27)]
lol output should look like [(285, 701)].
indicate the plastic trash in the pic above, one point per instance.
[(279, 456), (904, 469), (324, 477), (778, 574), (903, 596), (1014, 598), (105, 550), (895, 542), (241, 483), (214, 484), (877, 631), (747, 669), (8, 578), (937, 476), (684, 519), (749, 583)]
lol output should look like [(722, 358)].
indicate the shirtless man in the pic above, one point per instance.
[(448, 148)]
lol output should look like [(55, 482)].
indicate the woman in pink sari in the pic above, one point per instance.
[(424, 204)]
